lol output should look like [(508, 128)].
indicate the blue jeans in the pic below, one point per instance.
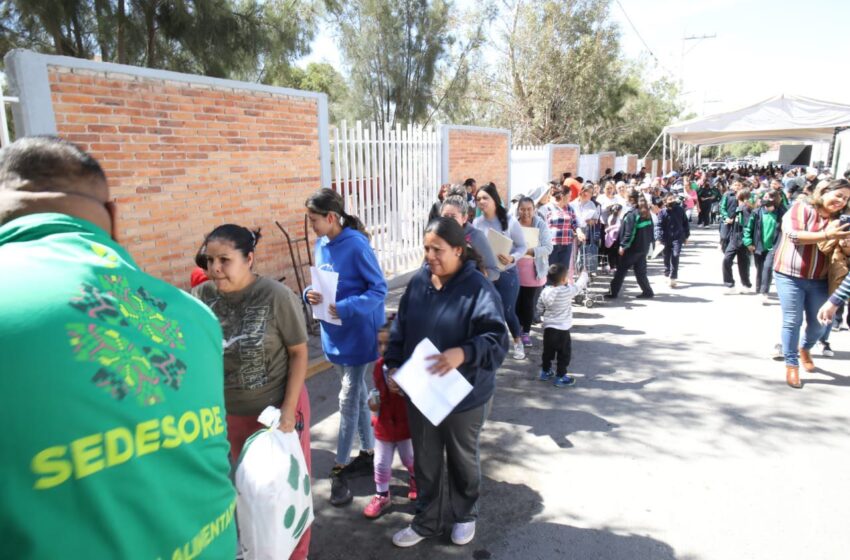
[(353, 411), (798, 297), (508, 287), (672, 250), (561, 255)]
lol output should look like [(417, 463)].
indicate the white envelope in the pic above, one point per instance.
[(434, 395), (501, 245), (325, 282), (532, 237)]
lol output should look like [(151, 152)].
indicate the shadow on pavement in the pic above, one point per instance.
[(549, 541), (347, 534)]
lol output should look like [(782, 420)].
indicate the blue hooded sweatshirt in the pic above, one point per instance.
[(360, 296), (465, 313)]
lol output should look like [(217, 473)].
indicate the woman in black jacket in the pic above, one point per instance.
[(636, 236), (451, 303)]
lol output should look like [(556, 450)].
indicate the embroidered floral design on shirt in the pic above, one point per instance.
[(143, 371)]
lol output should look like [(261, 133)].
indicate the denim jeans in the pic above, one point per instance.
[(508, 287), (671, 259), (561, 255), (353, 411), (799, 297)]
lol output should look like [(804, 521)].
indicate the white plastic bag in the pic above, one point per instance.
[(274, 503)]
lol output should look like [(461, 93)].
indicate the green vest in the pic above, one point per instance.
[(114, 437)]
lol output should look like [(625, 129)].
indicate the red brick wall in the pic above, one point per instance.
[(483, 155), (607, 160), (631, 164), (182, 159), (564, 158)]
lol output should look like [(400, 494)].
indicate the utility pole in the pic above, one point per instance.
[(685, 39)]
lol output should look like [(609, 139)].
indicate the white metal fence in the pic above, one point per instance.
[(621, 163), (588, 167), (529, 168), (389, 179), (4, 123)]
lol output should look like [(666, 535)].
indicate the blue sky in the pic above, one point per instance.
[(763, 48)]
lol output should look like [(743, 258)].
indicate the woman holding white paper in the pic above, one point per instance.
[(495, 217), (532, 267), (342, 246), (453, 305)]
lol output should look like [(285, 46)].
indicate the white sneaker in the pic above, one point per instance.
[(778, 354), (825, 350), (463, 533), (408, 537), (519, 351), (731, 291), (673, 283), (765, 299)]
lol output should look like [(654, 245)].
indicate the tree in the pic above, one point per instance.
[(321, 77), (559, 77), (223, 38), (395, 50)]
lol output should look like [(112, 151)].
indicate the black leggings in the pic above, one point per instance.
[(526, 301)]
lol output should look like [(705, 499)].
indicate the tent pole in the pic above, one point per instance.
[(664, 155), (657, 138)]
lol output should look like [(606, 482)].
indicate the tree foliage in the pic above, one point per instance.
[(559, 77), (404, 57), (223, 38)]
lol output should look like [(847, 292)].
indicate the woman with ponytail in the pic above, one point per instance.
[(265, 342), (452, 304), (342, 246), (494, 216)]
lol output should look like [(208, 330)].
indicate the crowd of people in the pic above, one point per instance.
[(156, 384)]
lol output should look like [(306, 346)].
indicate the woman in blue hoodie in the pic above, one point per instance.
[(451, 303), (342, 246)]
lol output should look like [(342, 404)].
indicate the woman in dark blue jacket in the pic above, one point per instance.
[(451, 303)]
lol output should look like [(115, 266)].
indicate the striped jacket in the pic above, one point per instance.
[(793, 259)]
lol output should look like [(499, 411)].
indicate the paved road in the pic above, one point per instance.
[(680, 440)]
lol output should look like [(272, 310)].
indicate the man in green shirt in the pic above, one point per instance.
[(113, 434)]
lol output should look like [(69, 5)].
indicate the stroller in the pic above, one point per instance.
[(586, 297)]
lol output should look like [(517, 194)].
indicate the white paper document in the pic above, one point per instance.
[(434, 395), (532, 237), (657, 251), (324, 282), (501, 245)]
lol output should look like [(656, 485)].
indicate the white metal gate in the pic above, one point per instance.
[(529, 169), (588, 167), (389, 179)]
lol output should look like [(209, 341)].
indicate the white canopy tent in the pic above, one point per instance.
[(784, 117)]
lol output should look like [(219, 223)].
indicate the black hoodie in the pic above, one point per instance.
[(466, 312)]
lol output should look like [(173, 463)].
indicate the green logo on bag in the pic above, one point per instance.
[(289, 516)]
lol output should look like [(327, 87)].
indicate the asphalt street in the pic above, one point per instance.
[(679, 441)]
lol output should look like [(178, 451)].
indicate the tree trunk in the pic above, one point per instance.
[(122, 48)]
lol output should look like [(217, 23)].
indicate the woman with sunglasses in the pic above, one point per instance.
[(265, 343)]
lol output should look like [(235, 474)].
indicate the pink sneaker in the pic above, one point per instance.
[(412, 494), (377, 506)]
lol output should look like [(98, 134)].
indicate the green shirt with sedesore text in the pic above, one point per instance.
[(113, 423)]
